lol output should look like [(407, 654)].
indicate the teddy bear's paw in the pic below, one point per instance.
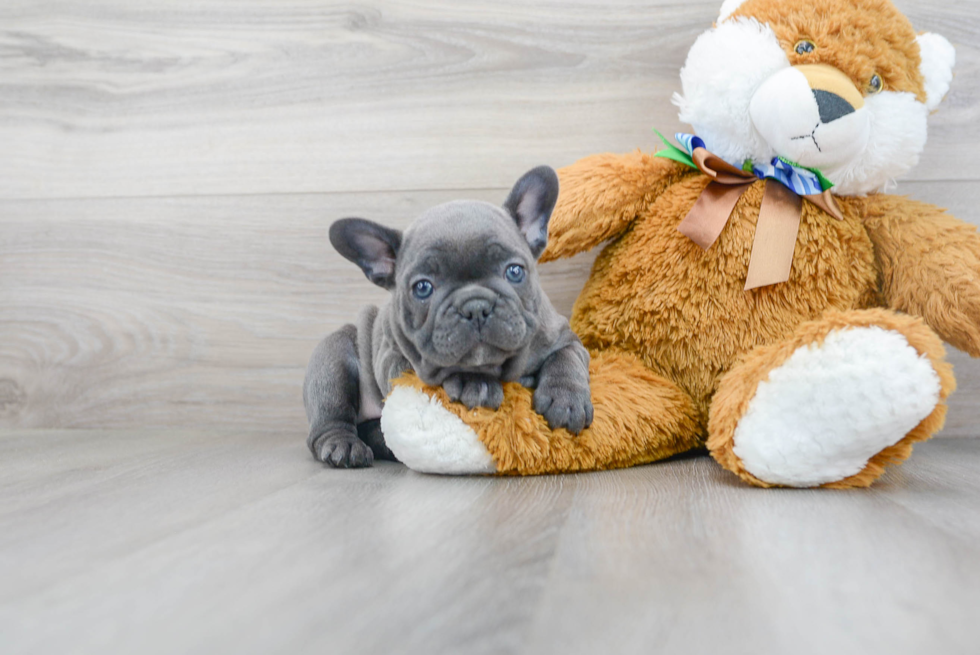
[(427, 437), (823, 413)]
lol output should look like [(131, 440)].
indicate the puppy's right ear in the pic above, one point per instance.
[(530, 204), (371, 246)]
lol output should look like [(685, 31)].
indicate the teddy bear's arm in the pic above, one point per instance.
[(930, 266), (601, 195)]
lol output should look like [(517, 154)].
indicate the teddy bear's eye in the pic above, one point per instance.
[(804, 47), (875, 85)]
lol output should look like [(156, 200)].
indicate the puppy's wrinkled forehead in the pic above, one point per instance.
[(461, 237)]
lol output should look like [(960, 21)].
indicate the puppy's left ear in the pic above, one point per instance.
[(531, 202)]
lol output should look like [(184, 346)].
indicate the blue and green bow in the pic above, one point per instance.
[(779, 215)]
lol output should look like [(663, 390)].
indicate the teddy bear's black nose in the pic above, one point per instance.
[(831, 106)]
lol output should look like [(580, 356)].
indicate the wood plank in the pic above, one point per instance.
[(183, 553), (185, 311), (942, 487), (115, 99), (203, 311), (205, 541), (697, 563)]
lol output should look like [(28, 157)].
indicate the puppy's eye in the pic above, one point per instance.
[(804, 47), (514, 273), (422, 289), (875, 84)]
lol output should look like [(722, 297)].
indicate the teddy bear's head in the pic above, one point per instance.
[(843, 86)]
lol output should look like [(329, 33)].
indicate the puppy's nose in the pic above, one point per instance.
[(476, 310), (831, 106)]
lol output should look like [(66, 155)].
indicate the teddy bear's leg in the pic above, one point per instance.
[(832, 405), (426, 436), (639, 417)]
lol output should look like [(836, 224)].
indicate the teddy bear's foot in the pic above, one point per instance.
[(831, 406), (427, 437), (639, 417)]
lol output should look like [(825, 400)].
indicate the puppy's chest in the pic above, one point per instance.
[(379, 362), (373, 349), (370, 403)]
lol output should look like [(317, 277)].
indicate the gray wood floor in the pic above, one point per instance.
[(206, 542)]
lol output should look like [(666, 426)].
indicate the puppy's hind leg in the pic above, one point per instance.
[(331, 396), (370, 433)]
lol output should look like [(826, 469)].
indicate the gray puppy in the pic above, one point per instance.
[(467, 312)]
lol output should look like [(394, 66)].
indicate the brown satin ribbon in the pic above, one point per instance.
[(777, 226), (775, 236)]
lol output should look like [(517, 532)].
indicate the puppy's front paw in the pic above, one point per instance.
[(342, 450), (564, 406), (474, 390)]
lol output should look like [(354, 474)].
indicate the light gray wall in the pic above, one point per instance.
[(168, 172)]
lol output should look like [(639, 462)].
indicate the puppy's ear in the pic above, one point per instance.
[(371, 246), (531, 202)]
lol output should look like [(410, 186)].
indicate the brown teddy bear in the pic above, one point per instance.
[(758, 295)]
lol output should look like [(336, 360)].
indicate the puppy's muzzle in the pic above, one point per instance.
[(476, 311)]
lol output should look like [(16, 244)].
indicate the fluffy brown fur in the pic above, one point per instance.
[(684, 313), (737, 388), (679, 347), (639, 418), (928, 263), (675, 338), (858, 37)]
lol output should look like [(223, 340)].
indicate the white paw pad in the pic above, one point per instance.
[(427, 437), (828, 409)]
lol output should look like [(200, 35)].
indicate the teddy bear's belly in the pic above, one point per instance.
[(684, 311)]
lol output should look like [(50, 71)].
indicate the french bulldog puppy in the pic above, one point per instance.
[(466, 312)]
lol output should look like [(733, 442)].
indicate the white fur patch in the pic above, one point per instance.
[(786, 114), (938, 58), (729, 63), (427, 437), (828, 409), (724, 68), (897, 135), (729, 7)]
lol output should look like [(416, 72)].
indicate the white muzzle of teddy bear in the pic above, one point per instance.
[(812, 115)]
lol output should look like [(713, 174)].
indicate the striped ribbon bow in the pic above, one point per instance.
[(779, 216)]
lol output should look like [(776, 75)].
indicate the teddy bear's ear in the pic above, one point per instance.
[(938, 57), (729, 7)]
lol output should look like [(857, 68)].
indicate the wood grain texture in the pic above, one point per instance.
[(210, 542), (164, 98), (193, 311), (185, 311), (169, 171)]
